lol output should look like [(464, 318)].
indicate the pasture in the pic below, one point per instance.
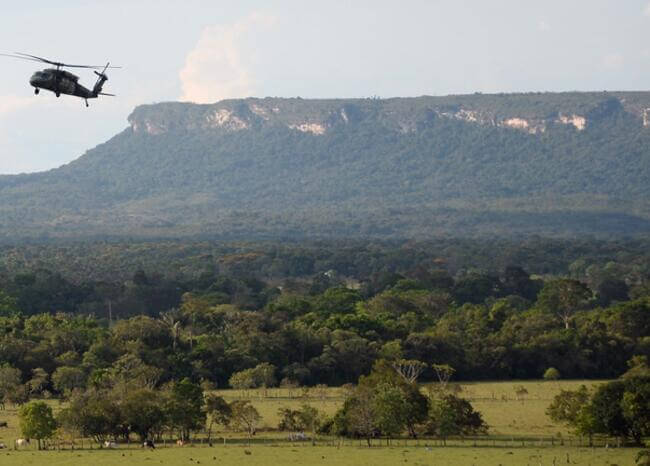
[(520, 434), (506, 413), (258, 455)]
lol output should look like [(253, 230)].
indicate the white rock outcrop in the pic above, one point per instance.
[(314, 128), (148, 127), (260, 111), (223, 118), (516, 123), (579, 122)]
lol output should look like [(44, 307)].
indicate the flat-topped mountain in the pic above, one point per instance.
[(404, 167)]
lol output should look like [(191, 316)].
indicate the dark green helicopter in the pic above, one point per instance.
[(63, 82)]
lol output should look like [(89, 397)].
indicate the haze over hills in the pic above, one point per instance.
[(549, 164)]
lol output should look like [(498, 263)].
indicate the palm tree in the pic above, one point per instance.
[(171, 319)]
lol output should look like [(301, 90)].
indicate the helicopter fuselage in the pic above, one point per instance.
[(60, 82)]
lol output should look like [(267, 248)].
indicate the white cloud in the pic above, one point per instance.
[(217, 68), (646, 11), (543, 26)]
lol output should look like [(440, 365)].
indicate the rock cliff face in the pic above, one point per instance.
[(409, 167), (531, 113)]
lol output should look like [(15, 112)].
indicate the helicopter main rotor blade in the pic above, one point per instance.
[(17, 56), (27, 56)]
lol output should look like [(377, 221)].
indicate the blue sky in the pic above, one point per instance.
[(204, 51)]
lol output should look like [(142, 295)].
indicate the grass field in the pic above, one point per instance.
[(505, 412), (520, 434), (307, 456)]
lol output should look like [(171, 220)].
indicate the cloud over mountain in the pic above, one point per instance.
[(217, 67)]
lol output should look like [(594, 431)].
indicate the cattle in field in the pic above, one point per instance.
[(298, 437), (180, 443), (22, 442), (2, 446), (148, 444), (108, 444)]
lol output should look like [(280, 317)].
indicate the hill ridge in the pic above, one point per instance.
[(553, 164)]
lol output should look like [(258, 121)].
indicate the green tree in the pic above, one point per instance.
[(360, 413), (242, 380), (39, 380), (218, 411), (93, 414), (10, 378), (409, 369), (184, 408), (37, 421), (8, 305), (444, 372), (563, 297), (551, 374), (571, 407), (66, 379), (129, 372), (307, 418), (143, 412), (451, 415), (636, 407), (289, 420), (390, 409), (638, 367), (264, 375), (244, 416)]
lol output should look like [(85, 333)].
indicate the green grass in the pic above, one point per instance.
[(520, 434), (505, 413), (308, 455)]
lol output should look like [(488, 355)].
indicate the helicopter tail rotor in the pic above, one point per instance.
[(102, 78)]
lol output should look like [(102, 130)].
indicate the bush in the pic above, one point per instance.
[(551, 374)]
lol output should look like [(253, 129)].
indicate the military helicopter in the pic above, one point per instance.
[(61, 81)]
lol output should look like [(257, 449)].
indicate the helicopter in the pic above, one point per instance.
[(61, 81)]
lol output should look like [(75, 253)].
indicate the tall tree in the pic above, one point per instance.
[(143, 412), (184, 408), (245, 416), (37, 421), (218, 411), (564, 297)]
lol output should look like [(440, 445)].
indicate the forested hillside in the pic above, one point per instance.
[(323, 313), (554, 164)]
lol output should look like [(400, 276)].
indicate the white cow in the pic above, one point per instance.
[(298, 437), (22, 442), (108, 444)]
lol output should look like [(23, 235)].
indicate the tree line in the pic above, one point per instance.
[(331, 330), (385, 404)]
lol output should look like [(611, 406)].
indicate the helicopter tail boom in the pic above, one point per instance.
[(102, 78)]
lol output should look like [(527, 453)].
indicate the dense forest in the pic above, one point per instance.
[(479, 165), (320, 313)]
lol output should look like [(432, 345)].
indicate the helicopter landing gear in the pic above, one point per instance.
[(36, 91), (58, 94), (86, 102)]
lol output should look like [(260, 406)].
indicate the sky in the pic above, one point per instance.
[(204, 51)]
